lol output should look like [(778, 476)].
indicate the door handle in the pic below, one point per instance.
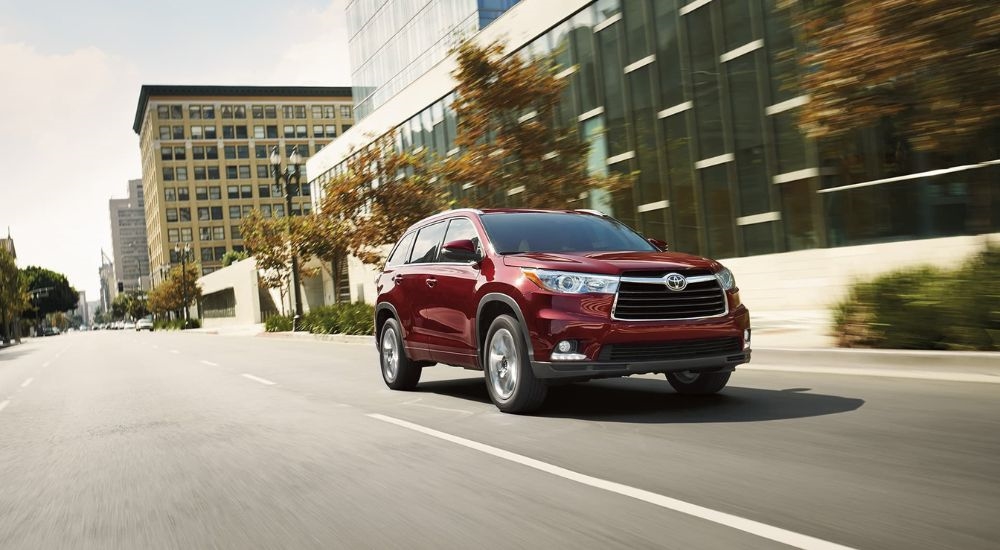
[(396, 278), (431, 282)]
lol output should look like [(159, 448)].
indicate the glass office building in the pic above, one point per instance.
[(698, 99), (392, 42)]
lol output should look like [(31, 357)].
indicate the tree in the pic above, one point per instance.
[(508, 136), (13, 296), (267, 240), (232, 256), (50, 292), (169, 295), (929, 65), (131, 303), (326, 238), (381, 192)]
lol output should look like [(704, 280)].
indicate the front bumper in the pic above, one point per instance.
[(602, 369)]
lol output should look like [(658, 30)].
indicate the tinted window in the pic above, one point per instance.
[(428, 241), (402, 251), (512, 233), (462, 228)]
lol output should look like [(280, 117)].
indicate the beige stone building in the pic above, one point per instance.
[(205, 160)]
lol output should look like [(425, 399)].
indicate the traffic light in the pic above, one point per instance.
[(121, 286)]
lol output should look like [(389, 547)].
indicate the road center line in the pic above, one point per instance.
[(4, 403), (209, 363), (258, 379), (763, 530), (27, 382)]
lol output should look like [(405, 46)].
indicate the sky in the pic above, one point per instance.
[(70, 74)]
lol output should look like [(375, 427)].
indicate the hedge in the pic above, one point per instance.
[(926, 308), (175, 324), (356, 318)]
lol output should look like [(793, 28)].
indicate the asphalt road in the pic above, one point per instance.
[(169, 440)]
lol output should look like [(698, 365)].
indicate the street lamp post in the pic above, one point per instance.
[(178, 251), (292, 174)]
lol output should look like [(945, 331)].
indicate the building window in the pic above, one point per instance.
[(289, 131), (263, 191), (234, 232), (173, 235), (212, 152), (213, 172), (245, 172), (272, 131), (164, 132), (215, 193), (219, 233), (345, 111), (162, 111), (227, 111), (265, 210), (166, 153), (178, 132), (231, 172), (233, 191), (229, 151), (208, 112), (262, 171), (270, 111), (300, 111), (168, 174), (220, 251), (246, 191), (216, 212), (234, 212), (210, 134), (286, 111), (204, 214), (206, 254), (171, 214), (247, 209), (194, 112), (258, 131), (180, 153), (182, 173), (201, 193), (198, 151), (197, 132), (260, 151), (279, 210), (186, 234), (345, 128), (205, 233), (199, 173), (185, 214)]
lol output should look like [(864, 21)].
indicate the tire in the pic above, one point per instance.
[(698, 383), (398, 371), (509, 379)]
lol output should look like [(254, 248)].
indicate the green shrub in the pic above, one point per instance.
[(926, 308), (278, 323), (356, 318), (175, 324)]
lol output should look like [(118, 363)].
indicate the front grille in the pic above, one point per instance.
[(653, 301), (660, 351)]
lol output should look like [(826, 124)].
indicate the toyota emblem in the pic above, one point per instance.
[(675, 282)]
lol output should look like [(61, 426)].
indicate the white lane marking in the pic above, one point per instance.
[(258, 379), (763, 530), (884, 373), (209, 363), (416, 403), (4, 403), (174, 351), (27, 382)]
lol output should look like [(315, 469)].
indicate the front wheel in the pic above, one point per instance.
[(511, 383), (398, 371), (698, 383)]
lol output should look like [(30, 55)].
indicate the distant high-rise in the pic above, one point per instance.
[(392, 42), (108, 283), (205, 160), (128, 238)]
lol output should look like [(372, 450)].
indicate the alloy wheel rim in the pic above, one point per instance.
[(503, 362), (686, 376), (390, 355)]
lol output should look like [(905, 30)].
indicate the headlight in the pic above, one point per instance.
[(726, 278), (567, 282)]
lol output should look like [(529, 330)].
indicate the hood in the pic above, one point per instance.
[(610, 263)]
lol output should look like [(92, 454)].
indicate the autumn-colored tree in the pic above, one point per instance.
[(932, 66), (169, 295), (272, 242), (324, 237), (381, 192), (13, 296), (511, 150)]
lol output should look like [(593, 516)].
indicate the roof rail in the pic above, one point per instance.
[(592, 211)]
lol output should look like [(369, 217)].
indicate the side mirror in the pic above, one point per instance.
[(462, 250), (662, 245)]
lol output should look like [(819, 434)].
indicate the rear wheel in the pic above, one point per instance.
[(398, 371), (698, 383), (511, 383)]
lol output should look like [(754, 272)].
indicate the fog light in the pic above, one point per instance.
[(746, 339), (566, 351)]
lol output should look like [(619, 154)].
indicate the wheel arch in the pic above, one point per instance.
[(491, 306)]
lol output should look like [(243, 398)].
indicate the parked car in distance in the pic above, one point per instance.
[(50, 331), (535, 298), (129, 325), (144, 324)]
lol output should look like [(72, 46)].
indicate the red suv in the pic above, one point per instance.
[(536, 297)]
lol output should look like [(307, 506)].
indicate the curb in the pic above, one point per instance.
[(335, 338), (840, 357)]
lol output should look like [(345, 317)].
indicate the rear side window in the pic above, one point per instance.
[(425, 250), (402, 251)]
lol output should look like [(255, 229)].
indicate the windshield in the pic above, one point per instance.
[(513, 233)]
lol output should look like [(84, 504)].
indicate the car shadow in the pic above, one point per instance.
[(13, 352), (637, 400)]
